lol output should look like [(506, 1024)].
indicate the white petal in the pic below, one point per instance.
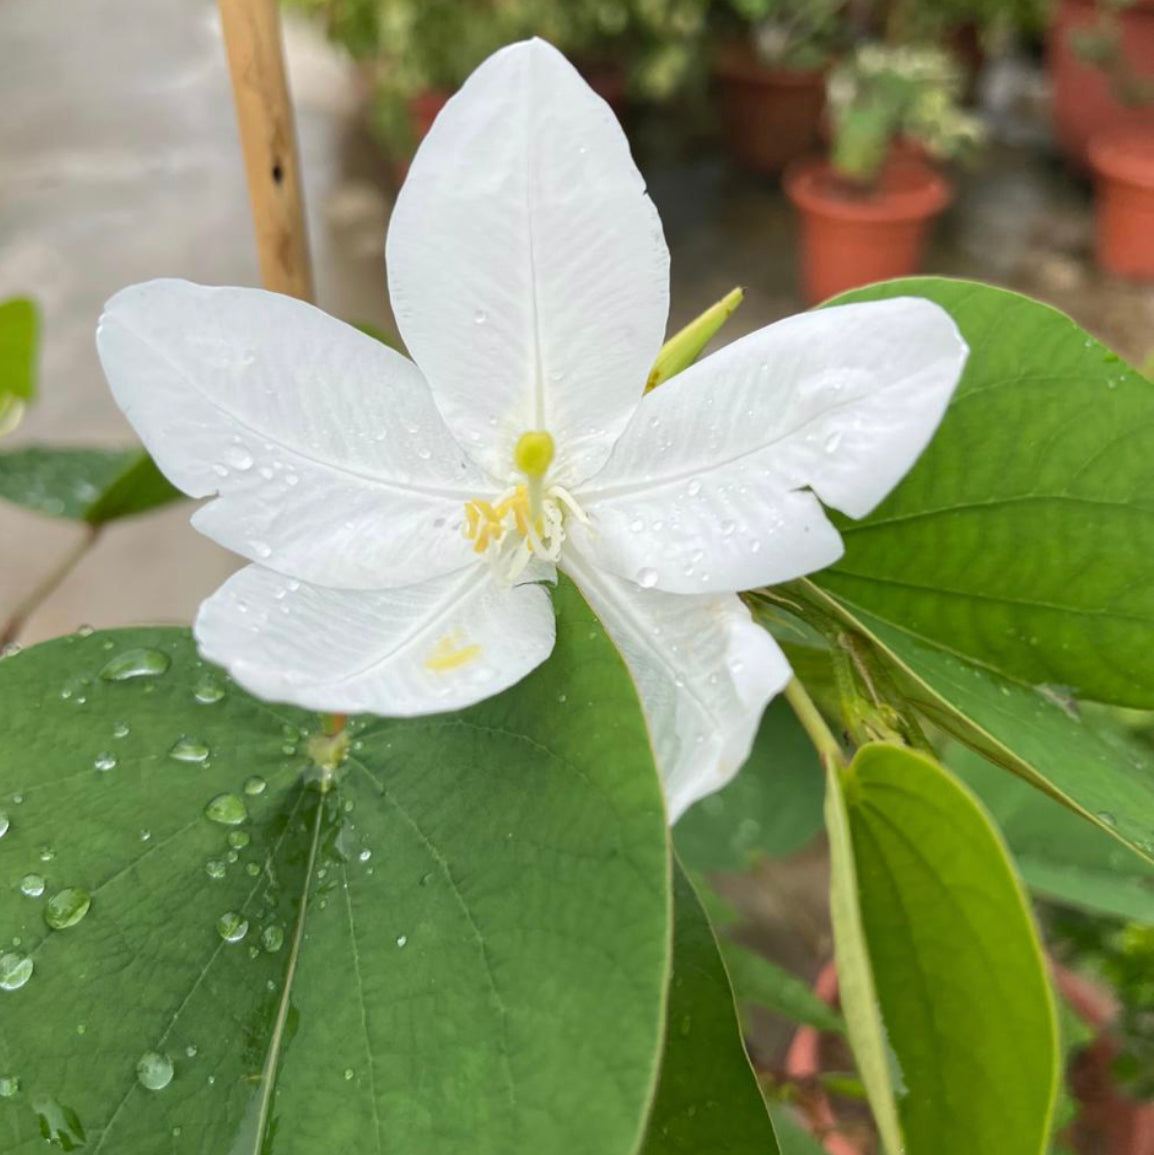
[(704, 489), (527, 267), (704, 672), (441, 645), (329, 457)]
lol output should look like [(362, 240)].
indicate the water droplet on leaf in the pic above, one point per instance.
[(231, 926), (9, 1086), (154, 1071), (15, 971), (189, 750), (142, 663), (67, 907), (227, 809), (272, 938), (104, 761), (255, 785), (32, 885)]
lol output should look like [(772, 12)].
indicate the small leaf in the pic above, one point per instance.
[(960, 981), (772, 807), (461, 947), (685, 346), (1021, 538), (1059, 855), (91, 485), (859, 999), (1026, 731), (707, 1096), (758, 981), (19, 335)]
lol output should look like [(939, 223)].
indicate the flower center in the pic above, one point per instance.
[(528, 519)]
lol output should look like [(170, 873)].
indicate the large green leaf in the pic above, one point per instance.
[(1059, 855), (91, 485), (960, 980), (463, 946), (19, 333), (1022, 537), (707, 1096), (1032, 732), (772, 807)]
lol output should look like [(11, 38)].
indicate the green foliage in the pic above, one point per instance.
[(91, 485), (19, 336), (772, 807), (759, 982), (457, 943), (410, 47), (1058, 854), (793, 34), (707, 1096), (1020, 539), (931, 915), (882, 94)]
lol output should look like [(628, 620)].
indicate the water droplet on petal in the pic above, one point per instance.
[(646, 578), (479, 317), (67, 907), (238, 457), (227, 809), (15, 971), (154, 1071), (232, 927), (142, 663)]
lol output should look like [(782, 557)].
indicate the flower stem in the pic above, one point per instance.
[(827, 746), (25, 609)]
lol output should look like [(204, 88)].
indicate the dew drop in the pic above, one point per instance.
[(227, 809), (646, 578), (154, 1071), (272, 938), (349, 1073), (104, 761), (191, 1050), (239, 839), (32, 885), (121, 730), (261, 548), (694, 488), (833, 441), (4, 823), (239, 457), (365, 855), (1106, 818), (208, 691), (231, 926), (215, 868), (46, 852), (254, 785), (479, 317), (15, 971), (67, 907), (402, 939), (187, 749), (140, 663), (9, 1086)]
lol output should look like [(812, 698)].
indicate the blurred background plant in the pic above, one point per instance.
[(413, 52), (883, 95), (788, 34)]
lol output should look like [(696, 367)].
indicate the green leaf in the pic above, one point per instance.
[(960, 980), (859, 999), (19, 336), (462, 947), (91, 485), (1059, 855), (707, 1096), (792, 1137), (772, 807), (685, 346), (1029, 732), (757, 980), (1021, 539)]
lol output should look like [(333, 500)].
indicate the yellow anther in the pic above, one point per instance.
[(534, 453)]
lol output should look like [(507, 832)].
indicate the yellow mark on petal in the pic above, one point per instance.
[(450, 654)]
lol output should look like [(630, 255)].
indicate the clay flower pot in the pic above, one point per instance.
[(1123, 164), (1084, 104), (769, 117), (851, 238)]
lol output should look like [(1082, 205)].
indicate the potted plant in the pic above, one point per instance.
[(1123, 163), (413, 54), (770, 73), (867, 207), (1101, 61)]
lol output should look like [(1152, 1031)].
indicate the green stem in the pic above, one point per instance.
[(25, 609), (827, 746)]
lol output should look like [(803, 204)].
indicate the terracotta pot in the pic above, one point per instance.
[(1084, 104), (849, 239), (769, 117), (1123, 163)]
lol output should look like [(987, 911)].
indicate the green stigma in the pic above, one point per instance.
[(534, 453)]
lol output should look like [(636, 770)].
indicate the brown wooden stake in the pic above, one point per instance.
[(252, 38)]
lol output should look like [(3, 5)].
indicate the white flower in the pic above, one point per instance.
[(402, 513)]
